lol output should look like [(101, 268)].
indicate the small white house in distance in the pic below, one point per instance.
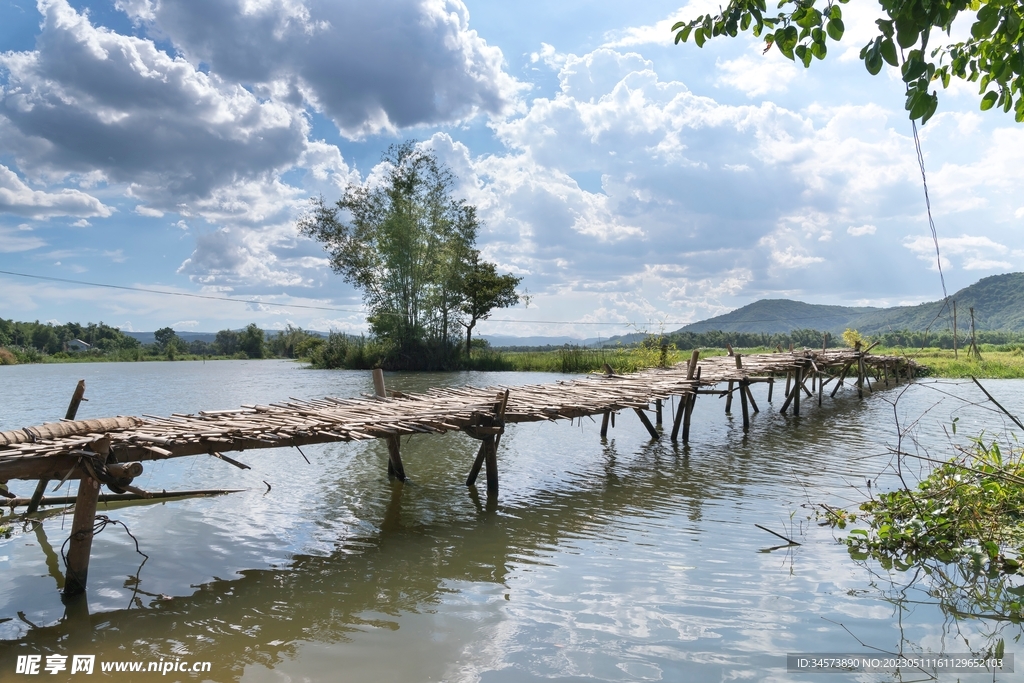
[(76, 345)]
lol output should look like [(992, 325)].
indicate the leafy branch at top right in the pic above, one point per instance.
[(802, 29)]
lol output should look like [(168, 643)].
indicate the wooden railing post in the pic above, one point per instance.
[(72, 411)]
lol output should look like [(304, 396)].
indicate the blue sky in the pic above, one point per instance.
[(171, 145)]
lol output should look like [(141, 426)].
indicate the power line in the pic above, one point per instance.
[(350, 310), (185, 294)]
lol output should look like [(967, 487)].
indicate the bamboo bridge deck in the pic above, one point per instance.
[(111, 450)]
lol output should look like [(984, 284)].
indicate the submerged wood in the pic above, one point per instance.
[(118, 497)]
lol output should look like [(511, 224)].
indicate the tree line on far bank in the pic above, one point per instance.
[(35, 342), (814, 339)]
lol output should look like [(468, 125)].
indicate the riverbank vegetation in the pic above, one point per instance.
[(36, 342), (957, 528), (969, 508)]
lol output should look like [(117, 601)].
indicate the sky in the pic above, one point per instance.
[(632, 184)]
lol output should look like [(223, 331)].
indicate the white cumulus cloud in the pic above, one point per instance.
[(17, 198)]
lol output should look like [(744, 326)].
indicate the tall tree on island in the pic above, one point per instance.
[(407, 244)]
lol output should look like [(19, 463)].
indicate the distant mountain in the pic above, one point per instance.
[(782, 315), (998, 303), (149, 338), (208, 337)]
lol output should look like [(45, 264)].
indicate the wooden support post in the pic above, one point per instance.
[(743, 405), (750, 397), (692, 366), (395, 467), (474, 471), (821, 391), (728, 399), (81, 537), (789, 378), (490, 445), (793, 390), (647, 423), (689, 409), (684, 401), (76, 400), (488, 452), (839, 382), (80, 543), (955, 354), (657, 412), (771, 385), (604, 424), (860, 375), (378, 383), (686, 417), (885, 373), (798, 386)]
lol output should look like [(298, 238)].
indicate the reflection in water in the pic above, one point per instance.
[(370, 580), (622, 560), (981, 611)]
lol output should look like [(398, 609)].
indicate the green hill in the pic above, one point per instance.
[(998, 303)]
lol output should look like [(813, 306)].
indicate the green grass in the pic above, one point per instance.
[(8, 357), (994, 364), (576, 359), (998, 362)]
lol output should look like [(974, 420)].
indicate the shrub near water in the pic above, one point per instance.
[(970, 508)]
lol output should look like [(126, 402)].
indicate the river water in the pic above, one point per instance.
[(624, 560)]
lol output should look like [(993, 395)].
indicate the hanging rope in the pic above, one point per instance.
[(935, 235), (928, 206)]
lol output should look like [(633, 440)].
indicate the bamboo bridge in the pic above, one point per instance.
[(110, 451)]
